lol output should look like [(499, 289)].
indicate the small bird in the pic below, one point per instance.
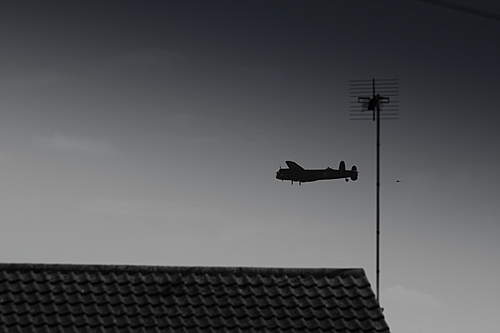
[(398, 181)]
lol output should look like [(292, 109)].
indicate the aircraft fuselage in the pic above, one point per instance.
[(300, 175)]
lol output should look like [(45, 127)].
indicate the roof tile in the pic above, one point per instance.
[(86, 298)]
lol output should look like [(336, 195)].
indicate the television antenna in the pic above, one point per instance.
[(380, 96)]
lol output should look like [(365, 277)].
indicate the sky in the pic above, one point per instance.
[(136, 132)]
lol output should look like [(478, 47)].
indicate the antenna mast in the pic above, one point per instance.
[(389, 88)]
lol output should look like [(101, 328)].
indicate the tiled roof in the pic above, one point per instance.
[(89, 298)]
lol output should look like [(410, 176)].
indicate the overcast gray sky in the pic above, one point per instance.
[(148, 132)]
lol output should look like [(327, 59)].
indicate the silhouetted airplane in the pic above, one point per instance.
[(296, 173)]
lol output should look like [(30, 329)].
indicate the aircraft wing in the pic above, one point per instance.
[(293, 166)]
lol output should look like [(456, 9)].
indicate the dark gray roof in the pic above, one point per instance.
[(90, 298)]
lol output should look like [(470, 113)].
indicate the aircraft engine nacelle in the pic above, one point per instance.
[(354, 171)]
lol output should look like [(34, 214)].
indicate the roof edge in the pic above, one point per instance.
[(184, 269)]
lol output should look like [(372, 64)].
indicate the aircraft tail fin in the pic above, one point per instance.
[(354, 173), (342, 166)]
